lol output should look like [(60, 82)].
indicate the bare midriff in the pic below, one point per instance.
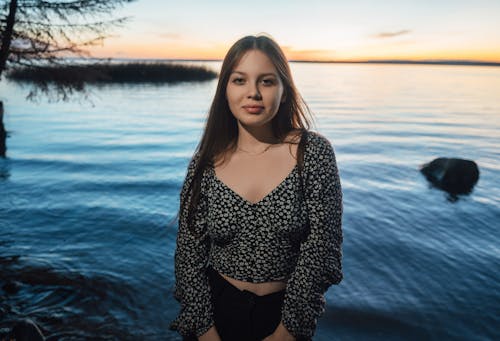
[(259, 289)]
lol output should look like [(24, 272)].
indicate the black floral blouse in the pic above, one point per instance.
[(291, 234)]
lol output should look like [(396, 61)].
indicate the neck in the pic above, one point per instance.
[(255, 138)]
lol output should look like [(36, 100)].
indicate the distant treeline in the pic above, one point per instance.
[(113, 73), (418, 62)]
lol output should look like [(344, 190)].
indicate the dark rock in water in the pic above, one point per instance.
[(26, 330), (11, 287), (455, 176)]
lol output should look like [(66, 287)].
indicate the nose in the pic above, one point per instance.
[(254, 92)]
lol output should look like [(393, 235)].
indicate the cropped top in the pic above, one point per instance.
[(292, 234)]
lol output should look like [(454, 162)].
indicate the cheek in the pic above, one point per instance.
[(276, 97), (233, 99), (232, 94), (229, 96)]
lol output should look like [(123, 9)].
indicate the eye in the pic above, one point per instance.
[(268, 81), (238, 80)]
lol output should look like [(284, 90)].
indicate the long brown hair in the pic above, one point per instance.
[(221, 130)]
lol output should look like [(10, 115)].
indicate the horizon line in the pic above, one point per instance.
[(458, 62)]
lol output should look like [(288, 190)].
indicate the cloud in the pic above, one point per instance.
[(391, 34)]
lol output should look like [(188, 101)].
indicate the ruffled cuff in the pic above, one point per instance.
[(189, 324), (299, 316)]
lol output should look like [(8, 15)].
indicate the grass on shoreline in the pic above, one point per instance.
[(112, 73)]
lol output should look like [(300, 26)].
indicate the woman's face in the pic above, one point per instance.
[(254, 90)]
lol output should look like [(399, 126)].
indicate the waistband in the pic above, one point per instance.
[(230, 289)]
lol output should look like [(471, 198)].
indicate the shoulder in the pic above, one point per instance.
[(194, 170), (319, 156), (317, 144), (316, 137), (320, 162), (192, 177), (194, 160), (193, 164), (312, 138)]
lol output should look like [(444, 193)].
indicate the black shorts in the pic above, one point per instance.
[(241, 314)]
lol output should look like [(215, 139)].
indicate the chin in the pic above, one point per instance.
[(254, 124)]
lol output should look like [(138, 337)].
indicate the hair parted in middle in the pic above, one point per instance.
[(221, 129)]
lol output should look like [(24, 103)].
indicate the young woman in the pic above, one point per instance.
[(259, 239)]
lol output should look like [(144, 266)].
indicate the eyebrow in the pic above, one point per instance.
[(261, 75)]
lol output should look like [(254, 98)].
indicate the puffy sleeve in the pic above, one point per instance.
[(191, 259), (319, 263)]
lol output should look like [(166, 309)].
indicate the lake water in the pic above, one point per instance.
[(88, 189)]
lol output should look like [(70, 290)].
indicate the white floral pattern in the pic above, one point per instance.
[(290, 235)]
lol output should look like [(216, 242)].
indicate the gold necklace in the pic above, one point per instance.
[(254, 154)]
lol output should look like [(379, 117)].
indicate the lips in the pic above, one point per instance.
[(253, 109)]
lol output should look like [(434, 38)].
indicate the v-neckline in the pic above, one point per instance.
[(247, 201)]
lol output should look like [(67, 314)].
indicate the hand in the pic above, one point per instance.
[(210, 335), (280, 334)]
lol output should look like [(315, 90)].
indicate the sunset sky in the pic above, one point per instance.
[(311, 30)]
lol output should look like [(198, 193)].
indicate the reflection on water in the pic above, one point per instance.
[(87, 190)]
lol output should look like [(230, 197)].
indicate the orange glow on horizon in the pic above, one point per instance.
[(181, 50), (323, 31)]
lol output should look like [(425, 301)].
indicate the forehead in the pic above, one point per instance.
[(255, 62)]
